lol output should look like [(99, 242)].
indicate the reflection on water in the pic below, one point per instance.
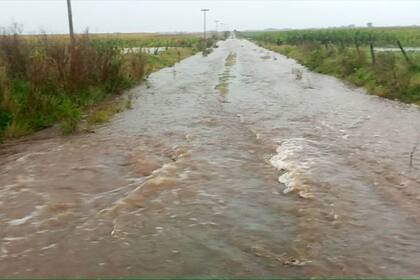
[(407, 49), (278, 178), (150, 50)]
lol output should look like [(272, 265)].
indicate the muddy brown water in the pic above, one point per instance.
[(241, 163)]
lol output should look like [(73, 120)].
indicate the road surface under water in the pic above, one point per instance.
[(241, 163)]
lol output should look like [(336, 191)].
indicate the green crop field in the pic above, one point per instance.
[(384, 37)]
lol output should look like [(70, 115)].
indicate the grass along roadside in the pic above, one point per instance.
[(44, 81), (350, 55), (223, 86), (390, 77)]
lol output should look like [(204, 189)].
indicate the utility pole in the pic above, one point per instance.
[(72, 42), (217, 26), (205, 22), (70, 13)]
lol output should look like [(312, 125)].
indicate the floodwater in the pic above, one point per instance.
[(409, 49), (152, 50), (241, 163)]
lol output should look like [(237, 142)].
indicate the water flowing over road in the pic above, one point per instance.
[(241, 163)]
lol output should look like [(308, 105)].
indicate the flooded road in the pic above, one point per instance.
[(241, 163)]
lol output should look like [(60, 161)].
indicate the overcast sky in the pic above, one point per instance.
[(174, 15)]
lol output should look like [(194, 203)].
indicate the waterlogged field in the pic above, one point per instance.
[(385, 61), (44, 81)]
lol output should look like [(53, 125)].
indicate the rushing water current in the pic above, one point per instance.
[(241, 163)]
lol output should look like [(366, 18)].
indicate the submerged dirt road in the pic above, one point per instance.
[(241, 163)]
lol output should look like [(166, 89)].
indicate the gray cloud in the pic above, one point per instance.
[(161, 16)]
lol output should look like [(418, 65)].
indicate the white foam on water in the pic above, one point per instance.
[(6, 239), (294, 158), (21, 221), (287, 180), (205, 194), (49, 246)]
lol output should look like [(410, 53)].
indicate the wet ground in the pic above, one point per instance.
[(241, 163)]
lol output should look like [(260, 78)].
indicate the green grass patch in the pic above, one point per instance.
[(223, 86)]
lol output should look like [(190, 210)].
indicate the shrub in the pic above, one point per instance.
[(17, 129), (68, 115), (45, 80), (5, 118), (100, 116)]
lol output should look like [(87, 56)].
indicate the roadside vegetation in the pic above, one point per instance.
[(223, 85), (45, 80), (358, 55)]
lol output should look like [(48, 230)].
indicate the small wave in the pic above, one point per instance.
[(288, 180), (25, 158), (294, 159), (136, 198), (21, 221), (13, 238)]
